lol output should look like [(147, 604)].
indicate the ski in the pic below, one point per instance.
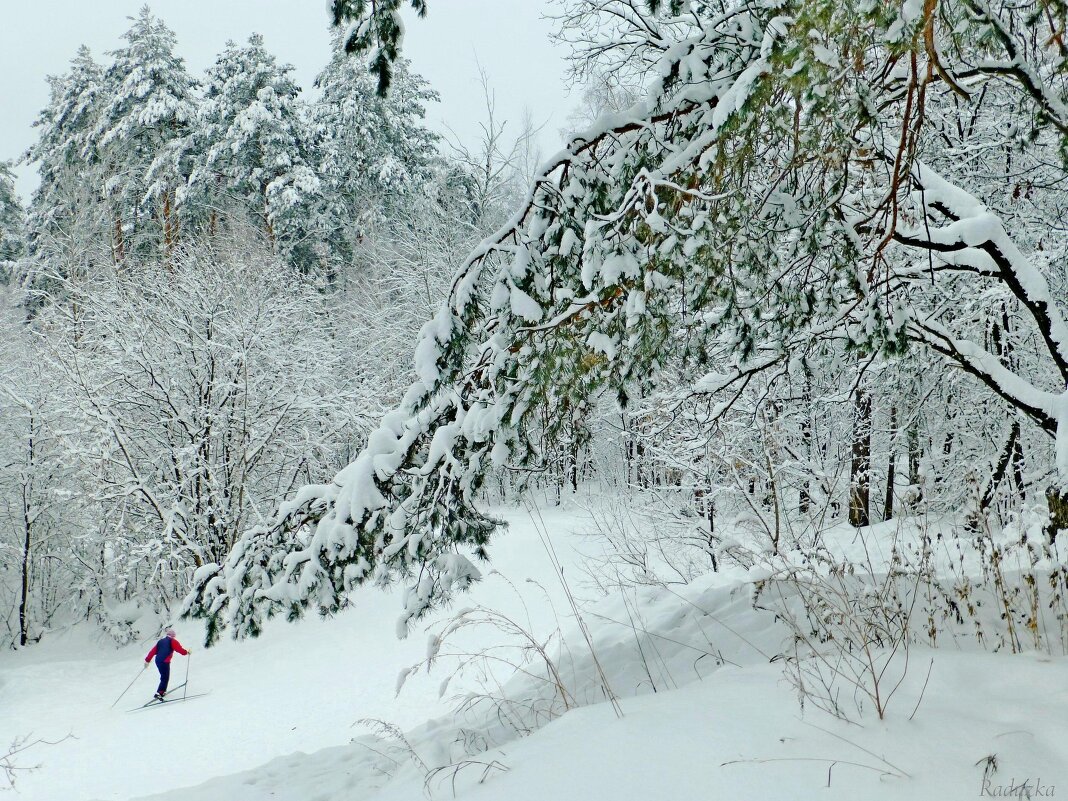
[(156, 700), (153, 702), (166, 702)]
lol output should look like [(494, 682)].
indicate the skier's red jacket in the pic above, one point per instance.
[(165, 648)]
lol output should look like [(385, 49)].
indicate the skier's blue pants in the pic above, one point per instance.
[(164, 669)]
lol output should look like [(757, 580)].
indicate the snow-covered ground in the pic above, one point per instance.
[(296, 688), (667, 693), (736, 734)]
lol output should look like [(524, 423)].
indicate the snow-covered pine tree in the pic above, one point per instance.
[(771, 195), (250, 153), (68, 225), (374, 154), (148, 103), (12, 224)]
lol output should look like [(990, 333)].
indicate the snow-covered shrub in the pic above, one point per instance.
[(519, 651), (652, 536), (854, 604)]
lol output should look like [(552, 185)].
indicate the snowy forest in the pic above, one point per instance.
[(769, 360), (211, 300)]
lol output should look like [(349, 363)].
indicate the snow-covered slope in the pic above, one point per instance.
[(297, 688), (736, 734), (660, 693), (722, 723)]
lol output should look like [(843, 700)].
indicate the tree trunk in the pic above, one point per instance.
[(168, 227), (1057, 497), (27, 526), (711, 515), (888, 500), (860, 467), (1018, 468), (1008, 454), (24, 594), (268, 229), (573, 457), (914, 460), (703, 501), (804, 499), (119, 244)]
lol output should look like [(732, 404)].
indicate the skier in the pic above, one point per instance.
[(163, 651)]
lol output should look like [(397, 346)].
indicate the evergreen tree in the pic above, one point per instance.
[(374, 155), (147, 109), (67, 221), (250, 152), (12, 224)]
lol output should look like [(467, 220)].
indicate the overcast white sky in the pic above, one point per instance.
[(508, 37)]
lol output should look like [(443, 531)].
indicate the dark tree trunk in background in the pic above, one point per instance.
[(24, 593), (640, 473), (1012, 457), (914, 461), (888, 500), (119, 244), (170, 232), (703, 500), (1018, 467), (1005, 459), (573, 462), (860, 466)]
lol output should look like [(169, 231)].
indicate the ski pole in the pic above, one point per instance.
[(131, 684), (188, 659)]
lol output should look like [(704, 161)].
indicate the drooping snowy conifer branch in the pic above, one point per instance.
[(407, 503), (768, 194), (374, 25)]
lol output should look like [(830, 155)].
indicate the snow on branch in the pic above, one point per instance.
[(406, 505), (977, 236)]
